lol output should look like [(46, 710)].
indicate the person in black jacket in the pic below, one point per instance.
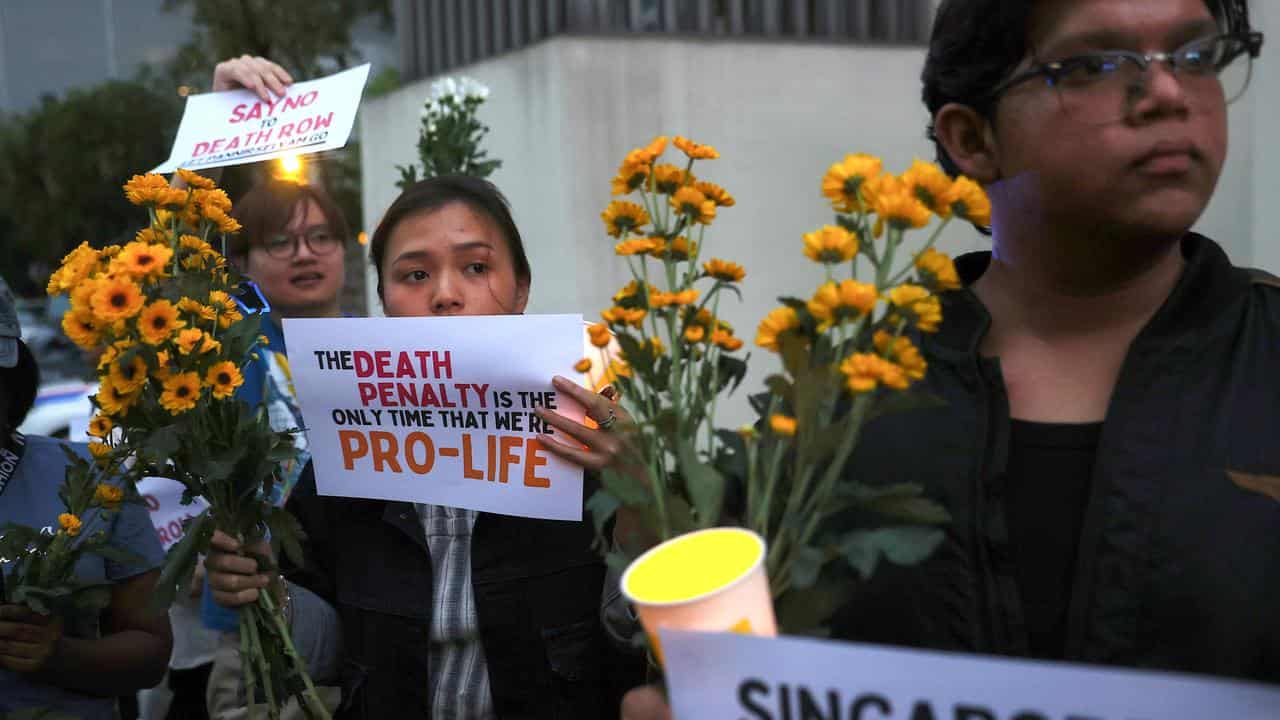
[(447, 613), (1108, 450)]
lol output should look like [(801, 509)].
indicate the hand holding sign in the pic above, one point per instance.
[(257, 74)]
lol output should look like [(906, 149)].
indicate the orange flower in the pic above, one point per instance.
[(145, 189), (922, 306), (181, 392), (583, 365), (116, 299), (194, 179), (783, 425), (679, 249), (142, 260), (100, 426), (684, 297), (724, 270), (80, 329), (901, 351), (651, 152), (69, 523), (694, 150), (691, 203), (637, 246), (835, 303), (630, 176), (845, 179), (831, 245), (158, 322), (864, 372), (694, 333), (930, 185), (715, 194), (726, 340), (622, 217), (970, 202), (938, 267), (668, 178), (624, 316), (223, 379), (221, 220), (600, 335), (108, 496), (128, 379), (778, 322)]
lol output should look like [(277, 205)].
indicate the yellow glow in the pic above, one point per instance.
[(363, 238), (694, 565), (291, 165)]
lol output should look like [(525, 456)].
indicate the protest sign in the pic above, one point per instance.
[(439, 410), (236, 127), (755, 678), (164, 501)]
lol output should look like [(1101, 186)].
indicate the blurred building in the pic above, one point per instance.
[(782, 88)]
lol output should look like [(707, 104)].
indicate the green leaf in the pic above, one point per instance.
[(904, 401), (602, 505), (703, 482), (806, 566), (91, 597), (906, 545), (627, 489), (731, 371), (780, 386), (116, 554), (805, 611), (286, 535), (795, 353), (181, 560)]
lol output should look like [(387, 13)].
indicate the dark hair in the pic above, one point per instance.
[(434, 193), (268, 207), (977, 44), (20, 383)]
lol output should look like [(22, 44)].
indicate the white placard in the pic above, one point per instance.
[(438, 410), (164, 499), (754, 678), (236, 127)]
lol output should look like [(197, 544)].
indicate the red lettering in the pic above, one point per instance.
[(201, 149), (175, 529), (354, 445), (286, 130), (404, 368), (383, 358), (152, 503), (368, 391), (408, 396), (305, 125), (324, 121), (237, 114), (163, 534), (429, 448), (532, 461), (235, 143), (255, 113), (217, 145), (384, 451), (386, 393), (364, 363), (443, 366)]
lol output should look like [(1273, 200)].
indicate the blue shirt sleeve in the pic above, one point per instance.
[(133, 533)]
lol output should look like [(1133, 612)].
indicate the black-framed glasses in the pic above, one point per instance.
[(319, 240), (1102, 87)]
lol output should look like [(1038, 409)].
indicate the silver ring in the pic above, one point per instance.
[(609, 421)]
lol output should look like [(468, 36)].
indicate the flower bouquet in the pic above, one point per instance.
[(163, 312), (41, 562), (848, 354), (450, 134)]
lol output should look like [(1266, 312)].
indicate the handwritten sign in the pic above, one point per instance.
[(236, 127), (755, 678), (439, 410), (164, 499)]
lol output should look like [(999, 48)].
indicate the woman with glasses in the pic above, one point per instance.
[(1108, 449)]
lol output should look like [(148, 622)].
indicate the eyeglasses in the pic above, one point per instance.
[(1103, 87), (319, 240)]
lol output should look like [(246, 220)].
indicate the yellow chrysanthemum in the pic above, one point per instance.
[(724, 270), (145, 189), (600, 335), (158, 322), (194, 263), (783, 425), (715, 193), (69, 523), (116, 299), (969, 201), (679, 249), (631, 175), (194, 179), (726, 340), (181, 392), (81, 330), (655, 347), (198, 309), (108, 496), (637, 246), (190, 340), (845, 178), (939, 269), (622, 218), (191, 242), (694, 150), (629, 292), (210, 198), (75, 267), (831, 245), (919, 304), (223, 379), (650, 152), (662, 299), (865, 372), (695, 333), (174, 199), (668, 178), (128, 378), (695, 206), (221, 220), (624, 316), (224, 308), (778, 322), (615, 370), (142, 260), (903, 352), (835, 303), (583, 365), (895, 204), (930, 185), (112, 401), (100, 426)]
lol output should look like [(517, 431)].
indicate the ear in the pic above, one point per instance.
[(522, 296), (968, 138)]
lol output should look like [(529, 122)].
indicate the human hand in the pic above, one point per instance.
[(197, 580), (28, 640), (232, 575), (254, 73), (645, 703), (606, 446)]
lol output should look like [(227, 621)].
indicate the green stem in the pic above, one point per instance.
[(311, 701), (933, 238)]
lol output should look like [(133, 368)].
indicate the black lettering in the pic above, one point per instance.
[(746, 691), (972, 712), (1029, 715), (923, 711), (863, 702), (809, 709)]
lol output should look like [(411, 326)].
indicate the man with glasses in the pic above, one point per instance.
[(1108, 448)]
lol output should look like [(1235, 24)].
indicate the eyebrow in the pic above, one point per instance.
[(1109, 39), (412, 255)]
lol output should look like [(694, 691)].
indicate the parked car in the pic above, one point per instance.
[(62, 410)]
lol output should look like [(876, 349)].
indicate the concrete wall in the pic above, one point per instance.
[(564, 112)]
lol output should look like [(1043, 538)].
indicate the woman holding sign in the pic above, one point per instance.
[(449, 613)]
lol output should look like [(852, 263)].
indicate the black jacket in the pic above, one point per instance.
[(537, 592), (1178, 566)]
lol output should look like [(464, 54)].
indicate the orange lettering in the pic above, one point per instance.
[(384, 451), (419, 438), (354, 446), (532, 461), (508, 443), (468, 471)]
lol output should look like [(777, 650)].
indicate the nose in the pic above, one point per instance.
[(446, 296), (302, 251), (1158, 92)]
